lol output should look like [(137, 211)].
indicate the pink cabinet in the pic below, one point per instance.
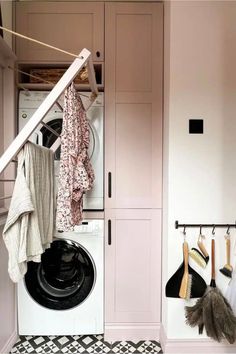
[(67, 25), (133, 266), (133, 169), (133, 112)]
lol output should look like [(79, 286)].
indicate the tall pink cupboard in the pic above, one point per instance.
[(133, 169)]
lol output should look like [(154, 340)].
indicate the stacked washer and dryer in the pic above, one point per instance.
[(64, 294)]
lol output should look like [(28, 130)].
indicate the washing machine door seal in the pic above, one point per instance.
[(64, 278), (48, 138)]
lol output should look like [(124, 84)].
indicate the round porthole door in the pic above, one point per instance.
[(48, 137), (64, 278)]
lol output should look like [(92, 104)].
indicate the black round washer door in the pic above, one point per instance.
[(49, 138), (64, 278)]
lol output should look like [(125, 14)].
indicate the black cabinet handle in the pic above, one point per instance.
[(109, 232), (98, 54), (109, 184)]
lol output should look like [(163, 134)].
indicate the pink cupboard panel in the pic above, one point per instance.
[(138, 168), (133, 60), (71, 26), (133, 266)]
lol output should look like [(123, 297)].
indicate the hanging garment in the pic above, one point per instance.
[(231, 292), (30, 222), (76, 174)]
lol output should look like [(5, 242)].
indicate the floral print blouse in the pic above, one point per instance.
[(76, 175)]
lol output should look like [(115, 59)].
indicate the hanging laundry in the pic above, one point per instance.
[(30, 222), (231, 292), (76, 174)]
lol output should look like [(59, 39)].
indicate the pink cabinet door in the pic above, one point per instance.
[(133, 266), (133, 107), (71, 26)]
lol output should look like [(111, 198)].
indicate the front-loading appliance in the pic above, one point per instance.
[(29, 101), (64, 294)]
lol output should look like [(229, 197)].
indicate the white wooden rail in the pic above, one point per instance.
[(83, 58)]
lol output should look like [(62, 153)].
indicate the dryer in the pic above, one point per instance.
[(64, 295), (29, 101)]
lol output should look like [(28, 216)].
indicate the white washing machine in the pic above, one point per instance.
[(64, 294), (29, 101)]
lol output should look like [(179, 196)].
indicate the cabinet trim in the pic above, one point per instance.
[(131, 331)]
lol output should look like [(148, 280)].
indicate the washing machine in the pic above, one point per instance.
[(29, 101), (64, 294)]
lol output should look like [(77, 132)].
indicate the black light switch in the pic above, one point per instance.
[(195, 126)]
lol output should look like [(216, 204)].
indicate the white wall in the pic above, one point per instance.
[(200, 170), (8, 330)]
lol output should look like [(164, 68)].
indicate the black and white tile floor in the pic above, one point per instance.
[(81, 345)]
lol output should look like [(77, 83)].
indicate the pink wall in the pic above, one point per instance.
[(8, 328), (199, 170), (7, 303)]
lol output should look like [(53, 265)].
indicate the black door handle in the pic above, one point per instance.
[(109, 232), (109, 184)]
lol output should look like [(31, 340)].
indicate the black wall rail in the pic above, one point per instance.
[(213, 226)]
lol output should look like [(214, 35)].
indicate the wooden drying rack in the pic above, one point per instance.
[(84, 58)]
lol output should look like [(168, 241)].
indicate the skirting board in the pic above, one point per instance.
[(10, 343), (181, 346), (130, 331)]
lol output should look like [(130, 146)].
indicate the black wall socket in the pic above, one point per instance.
[(195, 126)]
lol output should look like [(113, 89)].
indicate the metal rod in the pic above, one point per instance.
[(51, 129), (7, 180), (8, 197), (177, 225)]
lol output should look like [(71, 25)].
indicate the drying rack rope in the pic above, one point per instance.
[(39, 79), (41, 43)]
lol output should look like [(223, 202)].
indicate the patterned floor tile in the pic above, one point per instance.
[(81, 345)]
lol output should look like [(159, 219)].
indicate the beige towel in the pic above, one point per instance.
[(30, 223)]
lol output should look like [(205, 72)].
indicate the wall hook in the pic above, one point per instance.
[(200, 230), (213, 230), (184, 232)]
